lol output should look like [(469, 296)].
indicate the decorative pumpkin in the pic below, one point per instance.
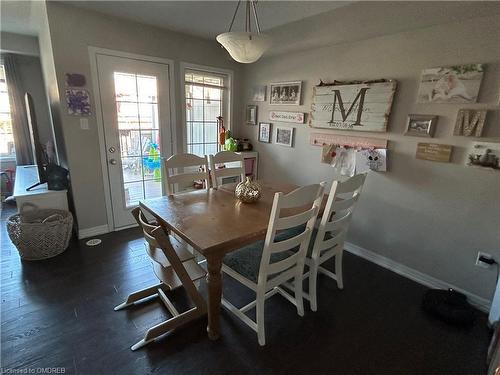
[(248, 191)]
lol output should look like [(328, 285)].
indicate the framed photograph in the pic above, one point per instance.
[(264, 132), (284, 136), (286, 93), (251, 116), (258, 93), (452, 84), (421, 125)]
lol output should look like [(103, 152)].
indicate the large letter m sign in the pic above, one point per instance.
[(359, 99)]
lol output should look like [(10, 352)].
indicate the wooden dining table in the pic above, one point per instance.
[(214, 222)]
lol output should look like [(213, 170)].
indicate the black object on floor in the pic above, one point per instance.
[(59, 313), (450, 306)]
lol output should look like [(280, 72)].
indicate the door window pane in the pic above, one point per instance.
[(134, 192), (152, 188), (128, 115), (146, 87), (125, 87), (148, 116), (130, 142), (138, 128), (132, 169)]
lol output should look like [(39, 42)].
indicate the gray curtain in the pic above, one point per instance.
[(24, 154)]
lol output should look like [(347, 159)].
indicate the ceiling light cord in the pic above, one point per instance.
[(234, 16), (254, 3), (250, 8)]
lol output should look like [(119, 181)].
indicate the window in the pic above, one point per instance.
[(7, 149), (207, 97)]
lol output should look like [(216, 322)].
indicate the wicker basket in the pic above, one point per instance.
[(40, 233)]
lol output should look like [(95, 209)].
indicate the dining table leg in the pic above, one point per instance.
[(214, 281)]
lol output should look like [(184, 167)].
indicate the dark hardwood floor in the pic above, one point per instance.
[(59, 313)]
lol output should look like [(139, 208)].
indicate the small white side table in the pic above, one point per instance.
[(27, 175)]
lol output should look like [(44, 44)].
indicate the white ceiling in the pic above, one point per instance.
[(207, 19)]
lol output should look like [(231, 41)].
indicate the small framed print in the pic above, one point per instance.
[(264, 132), (251, 115), (421, 125), (258, 93), (286, 93), (78, 102), (284, 136)]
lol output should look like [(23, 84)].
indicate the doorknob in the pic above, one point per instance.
[(112, 149), (112, 161)]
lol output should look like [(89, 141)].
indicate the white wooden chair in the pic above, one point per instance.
[(328, 242), (231, 171), (186, 163), (174, 266), (266, 265)]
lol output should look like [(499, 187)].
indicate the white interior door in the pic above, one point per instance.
[(135, 107)]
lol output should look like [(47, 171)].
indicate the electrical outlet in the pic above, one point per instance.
[(480, 263)]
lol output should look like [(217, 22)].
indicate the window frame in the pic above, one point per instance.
[(227, 104)]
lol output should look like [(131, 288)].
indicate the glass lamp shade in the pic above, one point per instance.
[(244, 47)]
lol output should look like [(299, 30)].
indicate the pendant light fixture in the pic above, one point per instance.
[(245, 47)]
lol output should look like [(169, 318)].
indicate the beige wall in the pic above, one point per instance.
[(72, 31), (430, 216)]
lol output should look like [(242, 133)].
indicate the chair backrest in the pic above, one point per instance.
[(160, 250), (229, 171), (306, 201), (338, 213), (152, 248), (186, 163)]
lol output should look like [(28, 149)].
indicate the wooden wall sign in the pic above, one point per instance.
[(320, 139), (434, 152), (282, 116), (470, 122), (361, 107)]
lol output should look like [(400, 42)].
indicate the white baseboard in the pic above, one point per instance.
[(421, 278), (94, 231)]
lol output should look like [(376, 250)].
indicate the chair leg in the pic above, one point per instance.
[(298, 294), (138, 295), (168, 325), (313, 277), (261, 333), (338, 270)]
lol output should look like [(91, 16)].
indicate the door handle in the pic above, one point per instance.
[(112, 161)]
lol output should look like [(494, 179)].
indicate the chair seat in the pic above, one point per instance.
[(246, 260), (168, 276)]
